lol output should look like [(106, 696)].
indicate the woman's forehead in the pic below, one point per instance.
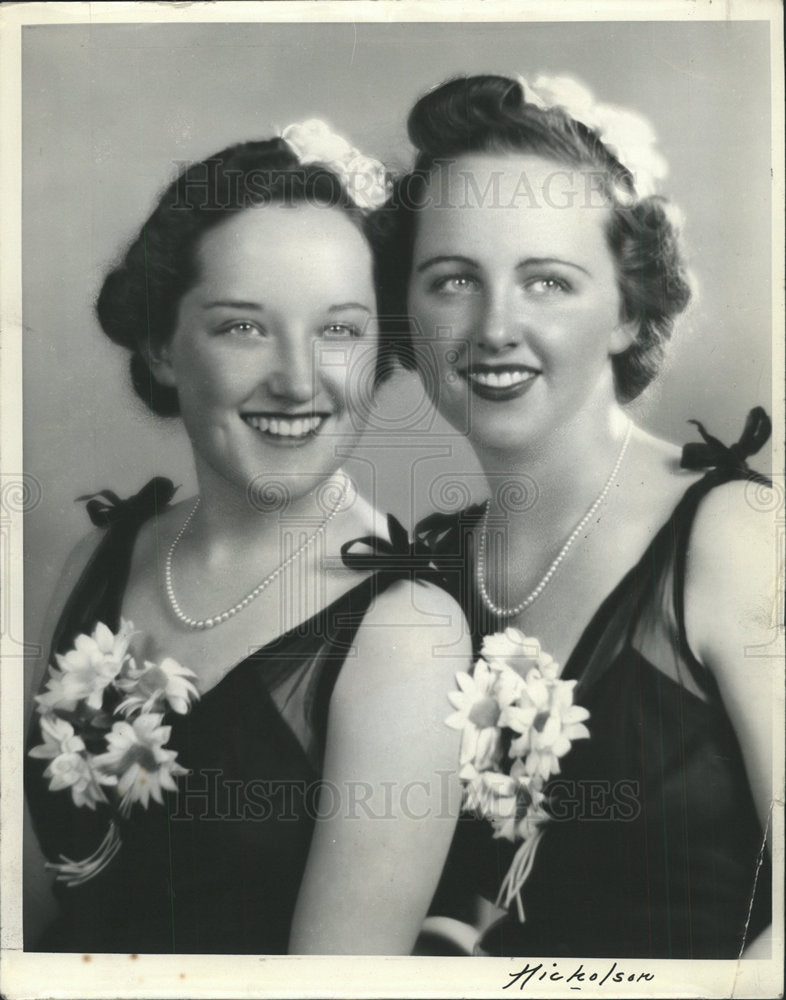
[(268, 227), (283, 239), (498, 202), (514, 180)]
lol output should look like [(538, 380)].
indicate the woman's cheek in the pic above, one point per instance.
[(352, 380), (441, 320), (422, 312)]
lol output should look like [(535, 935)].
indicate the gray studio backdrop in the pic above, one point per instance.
[(109, 110)]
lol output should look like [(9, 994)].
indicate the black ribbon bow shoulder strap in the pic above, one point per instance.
[(105, 508), (730, 459), (398, 555)]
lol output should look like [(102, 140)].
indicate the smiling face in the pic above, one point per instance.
[(274, 346), (515, 296)]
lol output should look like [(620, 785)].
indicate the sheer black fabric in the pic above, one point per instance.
[(654, 848), (217, 868)]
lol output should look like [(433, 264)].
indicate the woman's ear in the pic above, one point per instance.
[(623, 336), (161, 366)]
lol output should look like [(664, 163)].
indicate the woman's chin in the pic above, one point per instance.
[(498, 435)]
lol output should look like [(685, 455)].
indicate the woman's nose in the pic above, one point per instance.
[(500, 325), (292, 377)]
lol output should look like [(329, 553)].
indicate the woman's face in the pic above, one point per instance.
[(514, 293), (274, 346)]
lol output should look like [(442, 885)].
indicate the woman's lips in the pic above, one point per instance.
[(499, 383), (284, 428)]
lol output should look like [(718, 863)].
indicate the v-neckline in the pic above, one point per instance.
[(598, 620), (114, 601), (284, 637)]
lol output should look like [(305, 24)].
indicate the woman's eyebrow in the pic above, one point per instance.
[(446, 259), (342, 306), (239, 304), (537, 261), (233, 304)]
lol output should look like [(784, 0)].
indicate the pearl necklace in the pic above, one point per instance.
[(549, 574), (205, 623)]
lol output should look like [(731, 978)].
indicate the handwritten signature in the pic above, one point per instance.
[(578, 976)]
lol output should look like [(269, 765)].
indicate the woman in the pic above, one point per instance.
[(262, 685), (543, 280)]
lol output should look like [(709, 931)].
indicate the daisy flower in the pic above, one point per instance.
[(69, 763), (87, 669), (530, 708), (552, 731), (166, 681), (56, 696), (477, 717), (137, 758)]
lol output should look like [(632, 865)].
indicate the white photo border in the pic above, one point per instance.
[(33, 975)]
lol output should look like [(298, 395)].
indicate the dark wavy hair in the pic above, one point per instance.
[(489, 114), (138, 303)]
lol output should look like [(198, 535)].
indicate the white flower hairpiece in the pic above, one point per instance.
[(629, 136), (364, 178)]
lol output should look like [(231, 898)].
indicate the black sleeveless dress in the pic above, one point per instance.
[(217, 868), (654, 848)]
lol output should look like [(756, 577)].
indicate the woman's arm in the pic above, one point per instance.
[(39, 905), (731, 613), (392, 793)]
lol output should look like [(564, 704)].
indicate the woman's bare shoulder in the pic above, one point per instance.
[(413, 632), (733, 577), (735, 520), (416, 603)]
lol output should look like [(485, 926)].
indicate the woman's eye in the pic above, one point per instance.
[(243, 328), (547, 286), (341, 330), (456, 284)]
